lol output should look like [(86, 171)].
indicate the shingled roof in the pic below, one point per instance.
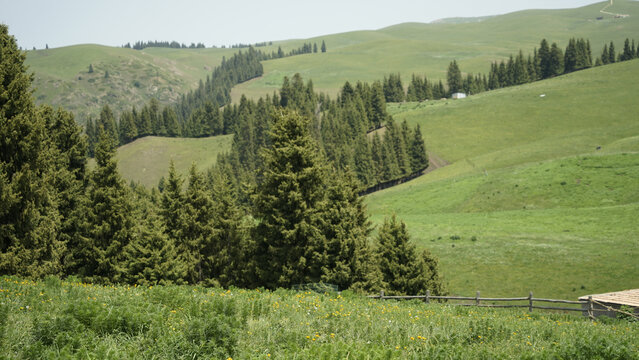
[(626, 297)]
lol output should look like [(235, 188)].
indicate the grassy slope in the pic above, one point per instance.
[(62, 78), (146, 160), (428, 48), (549, 212), (54, 319)]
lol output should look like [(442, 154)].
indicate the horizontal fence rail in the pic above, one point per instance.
[(586, 305)]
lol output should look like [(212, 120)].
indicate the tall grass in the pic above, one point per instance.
[(67, 319)]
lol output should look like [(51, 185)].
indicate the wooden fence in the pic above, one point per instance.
[(586, 306)]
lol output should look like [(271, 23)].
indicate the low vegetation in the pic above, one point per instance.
[(68, 319)]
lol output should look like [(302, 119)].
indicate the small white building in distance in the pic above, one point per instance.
[(459, 95)]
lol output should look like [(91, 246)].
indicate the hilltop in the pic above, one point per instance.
[(427, 49), (136, 76)]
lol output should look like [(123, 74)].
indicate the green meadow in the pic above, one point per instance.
[(146, 160), (69, 319), (541, 193)]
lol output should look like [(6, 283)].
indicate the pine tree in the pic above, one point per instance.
[(604, 55), (151, 257), (556, 61), (228, 255), (90, 69), (346, 228), (172, 205), (106, 123), (170, 122), (404, 271), (29, 216), (109, 223), (377, 106), (127, 128), (628, 53), (454, 78), (69, 148), (286, 204), (417, 151), (92, 136), (545, 61), (323, 46), (198, 229), (390, 165), (612, 55)]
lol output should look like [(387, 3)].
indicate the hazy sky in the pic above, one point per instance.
[(116, 22)]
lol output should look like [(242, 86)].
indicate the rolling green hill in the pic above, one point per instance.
[(528, 201), (428, 48), (146, 160), (135, 76), (62, 78)]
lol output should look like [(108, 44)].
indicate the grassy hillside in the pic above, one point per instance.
[(428, 48), (136, 76), (146, 160), (62, 78), (528, 202), (54, 319)]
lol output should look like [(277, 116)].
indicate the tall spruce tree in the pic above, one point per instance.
[(346, 229), (544, 60), (198, 229), (109, 224), (151, 257), (612, 54), (454, 77), (417, 151), (289, 234), (556, 61), (29, 217), (70, 148), (229, 255), (107, 124)]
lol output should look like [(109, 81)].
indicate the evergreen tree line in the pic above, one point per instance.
[(609, 56), (197, 113), (139, 45), (354, 132), (305, 222), (545, 62), (242, 46)]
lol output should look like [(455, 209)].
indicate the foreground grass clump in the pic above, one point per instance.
[(54, 319)]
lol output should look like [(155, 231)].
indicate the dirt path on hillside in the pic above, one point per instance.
[(434, 162), (603, 11)]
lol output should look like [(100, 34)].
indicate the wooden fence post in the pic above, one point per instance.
[(590, 312), (477, 299), (530, 302), (381, 295), (427, 296)]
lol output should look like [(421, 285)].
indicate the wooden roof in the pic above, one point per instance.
[(626, 297)]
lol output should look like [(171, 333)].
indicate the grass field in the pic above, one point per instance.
[(528, 202), (427, 49), (146, 160), (54, 319)]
